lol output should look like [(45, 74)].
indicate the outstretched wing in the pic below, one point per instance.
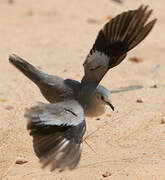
[(118, 36), (57, 131), (53, 88)]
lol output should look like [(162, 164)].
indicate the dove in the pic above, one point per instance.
[(58, 127)]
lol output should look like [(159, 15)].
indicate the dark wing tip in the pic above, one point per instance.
[(57, 145), (13, 58), (118, 36), (19, 63), (143, 34), (124, 32)]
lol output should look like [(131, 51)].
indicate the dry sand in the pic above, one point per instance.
[(56, 36)]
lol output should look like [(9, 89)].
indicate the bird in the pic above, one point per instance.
[(58, 127)]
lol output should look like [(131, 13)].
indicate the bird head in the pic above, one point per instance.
[(104, 95)]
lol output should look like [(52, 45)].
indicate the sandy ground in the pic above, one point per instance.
[(56, 36)]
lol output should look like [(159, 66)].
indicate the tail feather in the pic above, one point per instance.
[(51, 86), (27, 69)]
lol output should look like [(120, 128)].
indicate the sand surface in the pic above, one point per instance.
[(56, 36)]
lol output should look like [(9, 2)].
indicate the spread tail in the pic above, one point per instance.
[(27, 69)]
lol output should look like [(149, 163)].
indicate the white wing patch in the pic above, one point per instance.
[(96, 65), (62, 113)]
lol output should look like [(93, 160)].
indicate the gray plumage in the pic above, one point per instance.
[(57, 131), (58, 128)]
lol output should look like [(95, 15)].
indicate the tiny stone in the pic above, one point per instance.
[(154, 86), (98, 119), (139, 101), (136, 59), (106, 174), (21, 161), (162, 121)]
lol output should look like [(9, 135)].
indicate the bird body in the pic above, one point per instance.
[(58, 128), (56, 89)]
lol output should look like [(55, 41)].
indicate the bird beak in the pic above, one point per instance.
[(110, 104)]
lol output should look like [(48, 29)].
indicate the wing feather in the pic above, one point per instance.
[(57, 131), (117, 37)]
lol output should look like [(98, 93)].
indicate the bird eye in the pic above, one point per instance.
[(102, 97)]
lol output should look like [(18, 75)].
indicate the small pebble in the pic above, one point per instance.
[(139, 101), (21, 161), (162, 121), (98, 119), (136, 59), (107, 174), (154, 86)]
